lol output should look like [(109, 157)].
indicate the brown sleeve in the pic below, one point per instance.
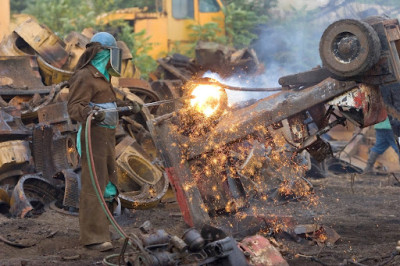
[(80, 94)]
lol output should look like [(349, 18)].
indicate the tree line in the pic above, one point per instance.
[(64, 16)]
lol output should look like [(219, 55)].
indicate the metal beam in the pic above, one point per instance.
[(265, 112)]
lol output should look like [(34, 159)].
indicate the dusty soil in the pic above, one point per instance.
[(364, 211)]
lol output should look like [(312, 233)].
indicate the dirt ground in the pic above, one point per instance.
[(364, 211)]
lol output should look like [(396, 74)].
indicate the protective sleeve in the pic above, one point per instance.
[(80, 94)]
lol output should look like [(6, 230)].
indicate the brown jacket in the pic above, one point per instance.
[(88, 85)]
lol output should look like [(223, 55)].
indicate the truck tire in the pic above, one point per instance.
[(349, 47)]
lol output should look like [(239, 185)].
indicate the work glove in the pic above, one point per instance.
[(135, 107), (98, 114)]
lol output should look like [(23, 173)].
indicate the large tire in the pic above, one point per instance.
[(349, 47)]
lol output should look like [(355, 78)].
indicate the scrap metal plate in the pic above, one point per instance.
[(20, 75), (11, 124), (44, 42)]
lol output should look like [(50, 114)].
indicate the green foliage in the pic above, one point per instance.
[(139, 45), (259, 7), (62, 16), (176, 47), (17, 6), (209, 32), (240, 24)]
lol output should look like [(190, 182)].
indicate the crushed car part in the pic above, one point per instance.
[(46, 43), (52, 151), (136, 125), (14, 155), (363, 105), (307, 78), (142, 89), (201, 205), (260, 252), (158, 237), (14, 45), (31, 194), (147, 196), (11, 125), (75, 45), (11, 177), (213, 56), (138, 168), (51, 74), (72, 189), (56, 114), (4, 201), (13, 83), (193, 239), (225, 252)]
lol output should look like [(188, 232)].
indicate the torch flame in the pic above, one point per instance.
[(206, 98)]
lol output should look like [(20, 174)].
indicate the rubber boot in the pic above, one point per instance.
[(371, 161)]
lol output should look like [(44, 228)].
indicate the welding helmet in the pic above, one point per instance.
[(108, 41)]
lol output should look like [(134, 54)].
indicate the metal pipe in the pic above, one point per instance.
[(250, 89), (166, 101)]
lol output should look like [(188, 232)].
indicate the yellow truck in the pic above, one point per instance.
[(4, 17), (168, 25)]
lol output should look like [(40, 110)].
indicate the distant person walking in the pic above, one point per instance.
[(385, 138)]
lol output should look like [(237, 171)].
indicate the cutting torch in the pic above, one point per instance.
[(129, 108)]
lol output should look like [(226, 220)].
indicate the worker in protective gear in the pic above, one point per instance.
[(91, 91), (384, 139)]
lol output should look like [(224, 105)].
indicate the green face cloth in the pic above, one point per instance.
[(100, 61)]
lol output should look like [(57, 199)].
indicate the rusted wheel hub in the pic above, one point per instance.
[(349, 47)]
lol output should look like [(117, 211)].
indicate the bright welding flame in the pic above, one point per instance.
[(206, 99)]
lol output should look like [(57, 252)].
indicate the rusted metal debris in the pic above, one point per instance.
[(215, 157), (35, 66), (4, 200), (322, 235), (31, 194), (209, 57), (157, 247), (261, 252)]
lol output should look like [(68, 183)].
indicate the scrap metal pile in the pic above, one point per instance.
[(235, 164), (40, 165), (228, 166), (208, 247)]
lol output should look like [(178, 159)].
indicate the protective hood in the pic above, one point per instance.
[(102, 41), (91, 50), (108, 42)]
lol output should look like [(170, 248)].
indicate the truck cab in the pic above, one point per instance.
[(167, 27)]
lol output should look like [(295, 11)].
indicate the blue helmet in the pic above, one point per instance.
[(108, 41), (105, 39)]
